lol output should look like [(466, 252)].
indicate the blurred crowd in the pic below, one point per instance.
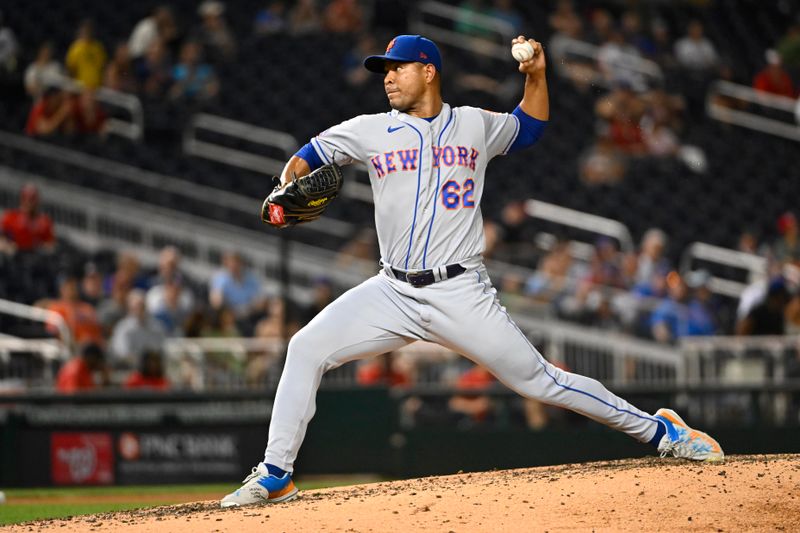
[(640, 291), (656, 73), (119, 315), (171, 63), (161, 61), (657, 77), (122, 312)]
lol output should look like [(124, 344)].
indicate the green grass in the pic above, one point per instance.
[(12, 513), (55, 492), (24, 512)]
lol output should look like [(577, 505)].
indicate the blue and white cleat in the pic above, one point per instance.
[(261, 487), (685, 442)]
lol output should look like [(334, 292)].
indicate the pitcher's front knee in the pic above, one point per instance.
[(305, 348)]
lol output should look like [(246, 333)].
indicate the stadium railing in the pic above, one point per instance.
[(86, 217), (192, 145), (132, 129), (37, 314), (755, 266), (644, 72), (581, 220), (213, 364), (437, 20), (616, 359), (223, 363), (765, 369), (284, 144), (760, 359), (29, 364), (152, 180), (720, 106)]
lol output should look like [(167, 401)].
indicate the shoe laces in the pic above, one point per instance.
[(253, 474), (675, 448), (687, 446)]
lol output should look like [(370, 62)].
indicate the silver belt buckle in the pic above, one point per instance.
[(414, 277)]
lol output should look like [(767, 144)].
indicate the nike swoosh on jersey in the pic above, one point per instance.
[(392, 130)]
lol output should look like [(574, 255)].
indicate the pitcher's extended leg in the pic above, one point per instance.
[(368, 320), (482, 331)]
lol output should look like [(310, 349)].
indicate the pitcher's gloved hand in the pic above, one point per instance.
[(304, 199)]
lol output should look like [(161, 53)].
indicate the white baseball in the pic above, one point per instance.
[(522, 51)]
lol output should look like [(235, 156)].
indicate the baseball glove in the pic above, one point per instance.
[(304, 199)]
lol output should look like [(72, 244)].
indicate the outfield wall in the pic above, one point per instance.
[(124, 439)]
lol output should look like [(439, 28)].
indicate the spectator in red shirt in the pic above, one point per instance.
[(622, 110), (382, 371), (89, 116), (52, 113), (470, 402), (79, 315), (773, 78), (26, 228), (78, 374), (150, 374)]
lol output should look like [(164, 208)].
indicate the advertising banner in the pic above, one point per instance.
[(81, 458), (177, 456)]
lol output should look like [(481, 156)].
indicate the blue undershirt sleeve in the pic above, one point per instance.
[(309, 155), (530, 129)]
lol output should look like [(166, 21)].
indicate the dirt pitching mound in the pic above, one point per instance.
[(746, 493)]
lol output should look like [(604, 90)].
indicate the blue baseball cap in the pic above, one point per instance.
[(407, 48)]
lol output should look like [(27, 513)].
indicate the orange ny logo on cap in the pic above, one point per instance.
[(390, 46)]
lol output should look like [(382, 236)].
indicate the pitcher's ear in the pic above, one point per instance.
[(430, 72)]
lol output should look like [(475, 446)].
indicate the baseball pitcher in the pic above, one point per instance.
[(427, 166)]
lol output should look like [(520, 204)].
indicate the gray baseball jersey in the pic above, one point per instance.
[(427, 178)]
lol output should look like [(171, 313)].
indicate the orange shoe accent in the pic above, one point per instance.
[(283, 492)]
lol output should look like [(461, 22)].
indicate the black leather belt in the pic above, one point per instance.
[(421, 278)]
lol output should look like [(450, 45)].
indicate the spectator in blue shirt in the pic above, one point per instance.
[(193, 80), (238, 289), (679, 315)]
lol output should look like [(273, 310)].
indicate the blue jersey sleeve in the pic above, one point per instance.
[(309, 155), (530, 129)]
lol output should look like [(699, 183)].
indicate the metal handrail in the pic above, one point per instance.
[(496, 50), (133, 130), (632, 62), (154, 180), (740, 344), (155, 223), (581, 220), (622, 347), (232, 344), (748, 119), (748, 94), (241, 130), (754, 264), (37, 314), (757, 359), (51, 349), (256, 162)]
